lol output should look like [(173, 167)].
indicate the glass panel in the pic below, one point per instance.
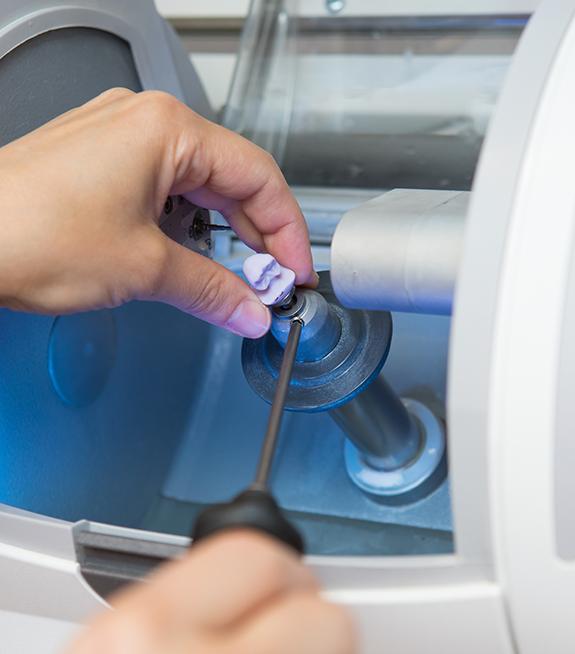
[(370, 101)]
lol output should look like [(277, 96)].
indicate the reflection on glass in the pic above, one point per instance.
[(371, 101)]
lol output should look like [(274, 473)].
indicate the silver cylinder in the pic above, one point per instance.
[(400, 251), (321, 330), (376, 420), (379, 425)]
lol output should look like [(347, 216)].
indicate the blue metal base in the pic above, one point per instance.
[(408, 483), (219, 455)]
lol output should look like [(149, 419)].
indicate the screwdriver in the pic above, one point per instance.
[(255, 507)]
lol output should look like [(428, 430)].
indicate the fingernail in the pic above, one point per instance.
[(250, 319), (312, 281)]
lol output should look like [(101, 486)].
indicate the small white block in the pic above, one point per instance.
[(270, 281)]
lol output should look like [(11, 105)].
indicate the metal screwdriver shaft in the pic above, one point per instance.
[(255, 508), (276, 412)]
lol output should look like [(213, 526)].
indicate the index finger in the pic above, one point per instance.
[(225, 171)]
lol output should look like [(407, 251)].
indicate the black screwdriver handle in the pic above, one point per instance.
[(252, 509)]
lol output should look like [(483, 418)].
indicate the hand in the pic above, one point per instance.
[(236, 593), (80, 199)]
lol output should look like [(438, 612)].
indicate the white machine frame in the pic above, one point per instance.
[(505, 589)]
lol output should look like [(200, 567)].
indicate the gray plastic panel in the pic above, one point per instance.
[(57, 71), (159, 58), (193, 93)]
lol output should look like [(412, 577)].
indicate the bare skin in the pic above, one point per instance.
[(238, 593), (81, 198)]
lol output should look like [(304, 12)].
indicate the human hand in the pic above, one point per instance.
[(81, 197), (235, 593)]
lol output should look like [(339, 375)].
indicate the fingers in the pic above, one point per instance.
[(235, 593), (205, 289), (302, 623), (244, 182), (222, 581), (281, 224), (218, 169), (232, 211)]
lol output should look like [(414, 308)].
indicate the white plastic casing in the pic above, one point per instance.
[(506, 589)]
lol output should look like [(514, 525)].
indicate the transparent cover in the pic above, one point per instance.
[(369, 101)]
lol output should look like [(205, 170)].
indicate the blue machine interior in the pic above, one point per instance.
[(140, 416), (98, 442)]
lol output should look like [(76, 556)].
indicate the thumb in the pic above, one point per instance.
[(207, 290)]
